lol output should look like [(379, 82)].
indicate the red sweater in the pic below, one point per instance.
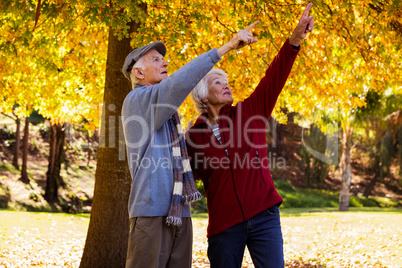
[(237, 182)]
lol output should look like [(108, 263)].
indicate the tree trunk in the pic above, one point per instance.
[(89, 151), (17, 143), (107, 237), (400, 155), (56, 154), (346, 168), (307, 173), (24, 175), (373, 181)]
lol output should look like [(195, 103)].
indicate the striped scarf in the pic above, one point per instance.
[(184, 189)]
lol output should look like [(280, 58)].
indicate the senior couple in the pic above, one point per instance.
[(242, 200)]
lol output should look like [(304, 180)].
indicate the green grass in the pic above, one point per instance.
[(314, 198), (297, 212), (9, 167)]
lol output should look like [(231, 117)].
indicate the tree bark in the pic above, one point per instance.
[(346, 168), (56, 155), (373, 181), (17, 143), (400, 154), (24, 175), (107, 237)]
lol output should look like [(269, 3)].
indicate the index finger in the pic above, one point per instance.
[(251, 26), (305, 13)]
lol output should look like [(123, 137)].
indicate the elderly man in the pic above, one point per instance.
[(163, 184)]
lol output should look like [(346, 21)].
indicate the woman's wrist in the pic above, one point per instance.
[(294, 41)]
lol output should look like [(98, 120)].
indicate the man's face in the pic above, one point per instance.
[(154, 70)]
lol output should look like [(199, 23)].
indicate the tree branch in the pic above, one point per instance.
[(266, 13), (9, 116), (224, 25)]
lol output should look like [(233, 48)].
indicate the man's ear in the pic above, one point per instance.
[(138, 73)]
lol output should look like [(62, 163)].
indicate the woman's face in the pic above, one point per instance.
[(219, 92)]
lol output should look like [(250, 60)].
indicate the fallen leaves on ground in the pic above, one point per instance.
[(343, 240), (321, 240)]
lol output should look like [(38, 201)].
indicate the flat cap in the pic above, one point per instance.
[(137, 53)]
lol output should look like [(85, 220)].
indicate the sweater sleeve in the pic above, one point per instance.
[(262, 101), (156, 104)]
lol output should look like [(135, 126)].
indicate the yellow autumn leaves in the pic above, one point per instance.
[(355, 46)]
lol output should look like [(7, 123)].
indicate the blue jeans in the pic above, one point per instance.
[(263, 236)]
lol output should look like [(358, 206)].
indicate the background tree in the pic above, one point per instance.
[(17, 149), (316, 170), (17, 144), (24, 175), (49, 80), (53, 178), (379, 126)]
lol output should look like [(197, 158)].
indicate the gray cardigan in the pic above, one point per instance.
[(145, 112)]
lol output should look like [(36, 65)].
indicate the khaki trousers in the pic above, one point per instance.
[(153, 244)]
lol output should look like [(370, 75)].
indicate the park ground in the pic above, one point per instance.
[(312, 238)]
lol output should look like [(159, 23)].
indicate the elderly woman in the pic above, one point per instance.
[(228, 151)]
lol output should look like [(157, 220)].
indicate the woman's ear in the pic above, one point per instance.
[(138, 73), (204, 100)]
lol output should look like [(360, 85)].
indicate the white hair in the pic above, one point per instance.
[(200, 91), (139, 64)]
